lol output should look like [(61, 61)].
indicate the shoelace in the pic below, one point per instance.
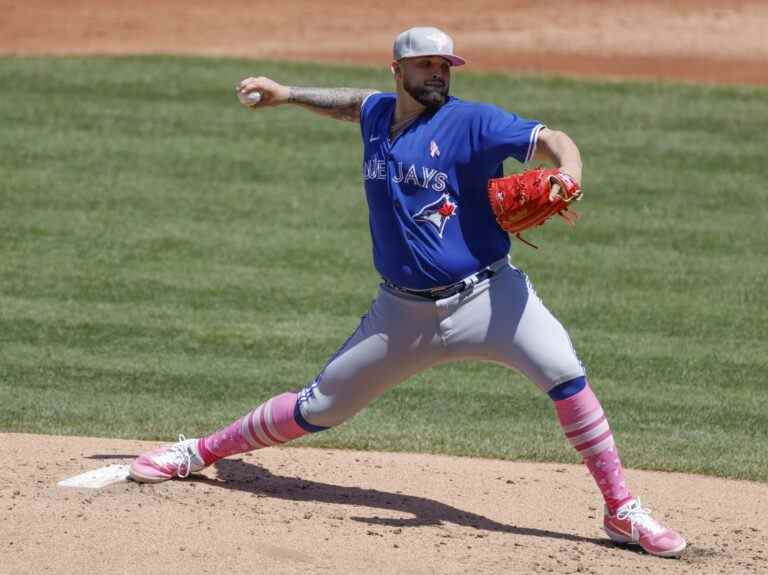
[(180, 457), (640, 516)]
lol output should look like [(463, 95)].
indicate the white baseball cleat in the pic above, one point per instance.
[(167, 462), (633, 525)]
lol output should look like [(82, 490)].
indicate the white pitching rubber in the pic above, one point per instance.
[(97, 478)]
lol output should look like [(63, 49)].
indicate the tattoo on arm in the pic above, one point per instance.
[(339, 103)]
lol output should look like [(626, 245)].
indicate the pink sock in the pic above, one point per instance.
[(269, 424), (586, 427)]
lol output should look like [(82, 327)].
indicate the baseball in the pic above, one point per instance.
[(250, 98)]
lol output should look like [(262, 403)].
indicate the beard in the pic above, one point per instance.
[(430, 96)]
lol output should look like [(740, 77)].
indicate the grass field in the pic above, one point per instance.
[(169, 259)]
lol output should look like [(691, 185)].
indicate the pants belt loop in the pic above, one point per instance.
[(471, 281)]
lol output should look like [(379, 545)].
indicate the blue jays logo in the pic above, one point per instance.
[(437, 213)]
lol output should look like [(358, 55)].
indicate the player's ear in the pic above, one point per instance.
[(395, 67)]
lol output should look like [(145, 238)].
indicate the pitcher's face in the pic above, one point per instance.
[(427, 79)]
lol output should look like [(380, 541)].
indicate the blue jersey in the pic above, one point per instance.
[(430, 218)]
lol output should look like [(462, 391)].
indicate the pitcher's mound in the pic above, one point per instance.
[(327, 511)]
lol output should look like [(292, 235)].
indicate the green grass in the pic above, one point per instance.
[(168, 260)]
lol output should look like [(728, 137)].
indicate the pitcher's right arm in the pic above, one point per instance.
[(339, 103)]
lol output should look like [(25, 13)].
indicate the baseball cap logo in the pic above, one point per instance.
[(440, 39)]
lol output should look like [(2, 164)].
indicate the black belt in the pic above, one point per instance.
[(447, 291)]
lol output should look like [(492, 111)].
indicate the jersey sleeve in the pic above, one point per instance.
[(369, 107), (501, 134), (366, 105)]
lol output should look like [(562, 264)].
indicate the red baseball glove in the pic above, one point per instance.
[(522, 201)]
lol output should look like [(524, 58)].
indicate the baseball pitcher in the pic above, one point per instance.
[(440, 216)]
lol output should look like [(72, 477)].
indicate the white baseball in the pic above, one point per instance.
[(250, 98)]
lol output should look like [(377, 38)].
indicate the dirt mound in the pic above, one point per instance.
[(326, 511)]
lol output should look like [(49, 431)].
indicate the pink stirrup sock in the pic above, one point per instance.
[(586, 427), (272, 423)]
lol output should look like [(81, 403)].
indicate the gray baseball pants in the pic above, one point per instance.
[(500, 319)]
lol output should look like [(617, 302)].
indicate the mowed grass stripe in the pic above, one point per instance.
[(120, 327), (168, 260)]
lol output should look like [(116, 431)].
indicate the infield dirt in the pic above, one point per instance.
[(700, 40), (297, 510), (288, 511)]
